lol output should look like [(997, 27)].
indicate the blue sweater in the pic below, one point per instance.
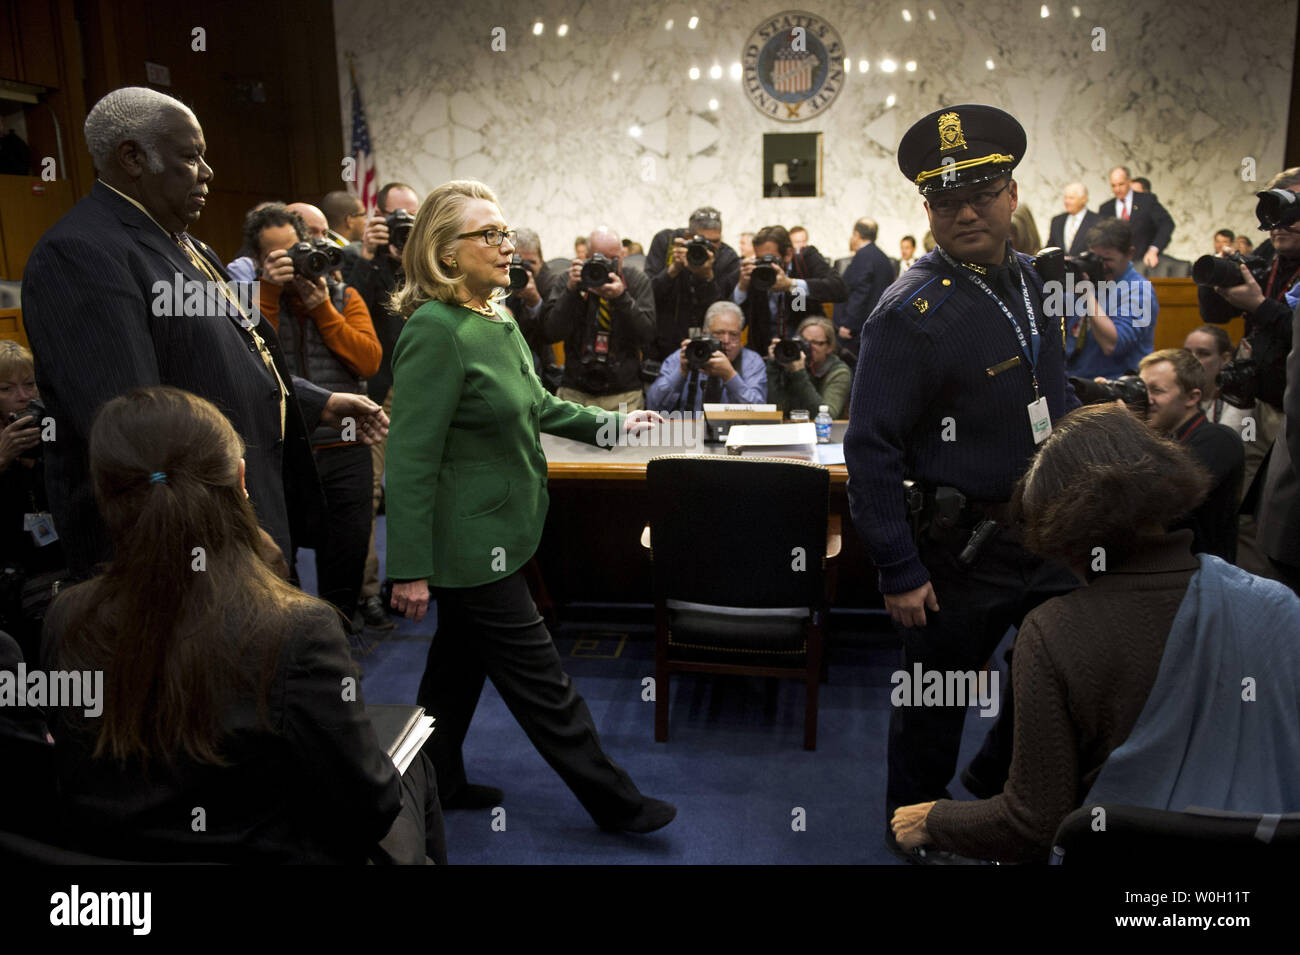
[(940, 395)]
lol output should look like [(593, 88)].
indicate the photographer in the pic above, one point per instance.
[(787, 286), (30, 554), (688, 276), (373, 267), (1175, 381), (730, 373), (526, 304), (816, 377), (1119, 325), (1213, 349), (603, 326), (327, 338), (1256, 379)]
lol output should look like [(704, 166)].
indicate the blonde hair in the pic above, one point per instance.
[(822, 322), (437, 223), (15, 360)]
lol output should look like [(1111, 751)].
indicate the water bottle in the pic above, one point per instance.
[(823, 424)]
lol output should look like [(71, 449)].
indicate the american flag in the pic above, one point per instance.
[(365, 183), (793, 72)]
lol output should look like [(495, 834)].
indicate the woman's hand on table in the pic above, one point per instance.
[(637, 421)]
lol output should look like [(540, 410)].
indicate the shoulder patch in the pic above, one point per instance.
[(922, 302)]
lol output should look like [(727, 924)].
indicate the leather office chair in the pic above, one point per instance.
[(739, 547), (1195, 837)]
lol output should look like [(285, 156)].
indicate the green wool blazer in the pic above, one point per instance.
[(466, 477)]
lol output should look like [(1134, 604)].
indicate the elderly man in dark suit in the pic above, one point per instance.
[(868, 275), (1069, 230), (1151, 224), (117, 295), (776, 296)]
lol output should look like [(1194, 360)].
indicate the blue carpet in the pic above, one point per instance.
[(734, 764)]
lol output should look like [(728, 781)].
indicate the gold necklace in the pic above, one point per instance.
[(484, 309)]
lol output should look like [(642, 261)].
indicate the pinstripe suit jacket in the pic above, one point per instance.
[(91, 308)]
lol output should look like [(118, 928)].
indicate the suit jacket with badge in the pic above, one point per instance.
[(1056, 234), (941, 395), (98, 308)]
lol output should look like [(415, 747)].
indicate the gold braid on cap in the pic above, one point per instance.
[(963, 164)]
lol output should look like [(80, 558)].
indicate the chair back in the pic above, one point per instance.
[(1112, 835), (738, 532)]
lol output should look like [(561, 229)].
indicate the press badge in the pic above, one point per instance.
[(602, 343), (41, 527), (1040, 420)]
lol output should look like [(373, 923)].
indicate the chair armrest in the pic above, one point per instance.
[(833, 539)]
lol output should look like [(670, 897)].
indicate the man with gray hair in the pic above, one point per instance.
[(526, 305), (605, 315), (1069, 230), (732, 373), (117, 295)]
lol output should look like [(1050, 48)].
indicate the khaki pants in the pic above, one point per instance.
[(633, 400), (370, 584)]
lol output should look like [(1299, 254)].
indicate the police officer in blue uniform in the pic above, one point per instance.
[(959, 378)]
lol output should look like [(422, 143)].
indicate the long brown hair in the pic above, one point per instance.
[(188, 612)]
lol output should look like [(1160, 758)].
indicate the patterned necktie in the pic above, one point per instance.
[(603, 320), (199, 262), (1125, 202)]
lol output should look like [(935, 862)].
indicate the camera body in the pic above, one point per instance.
[(519, 273), (315, 258), (788, 351), (35, 410), (699, 350), (1129, 389), (698, 248), (595, 271), (594, 374), (1052, 264), (764, 274), (399, 223)]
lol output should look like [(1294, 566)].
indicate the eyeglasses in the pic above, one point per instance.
[(727, 335), (823, 343), (979, 201), (493, 237)]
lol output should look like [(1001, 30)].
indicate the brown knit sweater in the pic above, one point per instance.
[(1083, 667)]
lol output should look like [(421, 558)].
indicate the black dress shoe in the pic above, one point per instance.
[(471, 796), (374, 614), (653, 814)]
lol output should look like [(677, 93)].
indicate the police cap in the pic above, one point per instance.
[(960, 146)]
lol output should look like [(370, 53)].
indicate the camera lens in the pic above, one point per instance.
[(1212, 270)]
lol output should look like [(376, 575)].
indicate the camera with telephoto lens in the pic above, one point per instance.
[(35, 410), (1224, 271), (700, 350), (595, 271), (1129, 389), (764, 274), (312, 261), (399, 223), (519, 273), (788, 350), (1277, 208)]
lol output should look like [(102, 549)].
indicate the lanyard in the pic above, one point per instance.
[(1029, 349)]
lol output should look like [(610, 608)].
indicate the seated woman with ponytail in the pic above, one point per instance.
[(232, 726)]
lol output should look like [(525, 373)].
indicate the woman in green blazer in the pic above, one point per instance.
[(466, 501)]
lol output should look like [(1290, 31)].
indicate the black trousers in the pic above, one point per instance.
[(417, 832), (494, 631), (976, 609), (346, 474)]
